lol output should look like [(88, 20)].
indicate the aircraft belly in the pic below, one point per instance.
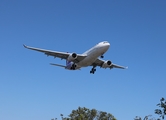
[(88, 60), (91, 57)]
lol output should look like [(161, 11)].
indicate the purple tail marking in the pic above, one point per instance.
[(67, 62)]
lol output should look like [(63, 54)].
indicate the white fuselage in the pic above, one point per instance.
[(76, 61), (93, 53)]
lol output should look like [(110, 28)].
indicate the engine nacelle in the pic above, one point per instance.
[(106, 64), (72, 57), (71, 66)]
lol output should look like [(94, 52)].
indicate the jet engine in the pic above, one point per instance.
[(106, 64), (71, 66), (72, 57)]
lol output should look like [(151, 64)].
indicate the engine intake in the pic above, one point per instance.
[(72, 57), (106, 64)]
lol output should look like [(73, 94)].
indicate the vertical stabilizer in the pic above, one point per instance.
[(67, 62)]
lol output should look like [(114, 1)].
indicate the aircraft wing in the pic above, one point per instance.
[(62, 55), (100, 62)]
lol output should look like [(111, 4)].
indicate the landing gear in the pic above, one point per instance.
[(93, 70)]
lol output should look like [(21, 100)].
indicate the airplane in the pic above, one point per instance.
[(76, 61)]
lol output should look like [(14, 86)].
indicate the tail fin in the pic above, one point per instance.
[(67, 62)]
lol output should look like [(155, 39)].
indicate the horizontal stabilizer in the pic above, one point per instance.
[(58, 65)]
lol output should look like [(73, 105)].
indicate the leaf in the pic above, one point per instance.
[(158, 104), (162, 99), (165, 111), (163, 117)]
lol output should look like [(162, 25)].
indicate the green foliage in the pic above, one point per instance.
[(162, 111), (87, 114), (148, 117)]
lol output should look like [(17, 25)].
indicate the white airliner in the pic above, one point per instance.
[(89, 58)]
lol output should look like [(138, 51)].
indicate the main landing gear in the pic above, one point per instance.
[(93, 70)]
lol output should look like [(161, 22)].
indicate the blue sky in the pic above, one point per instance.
[(31, 89)]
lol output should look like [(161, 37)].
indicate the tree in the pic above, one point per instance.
[(87, 114), (148, 117), (162, 111)]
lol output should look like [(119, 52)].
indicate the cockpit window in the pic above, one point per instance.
[(105, 42)]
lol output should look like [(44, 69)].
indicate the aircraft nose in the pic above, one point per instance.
[(108, 44)]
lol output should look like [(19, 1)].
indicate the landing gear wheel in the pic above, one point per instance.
[(93, 71)]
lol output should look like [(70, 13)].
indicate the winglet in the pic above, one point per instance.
[(25, 46), (125, 67)]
